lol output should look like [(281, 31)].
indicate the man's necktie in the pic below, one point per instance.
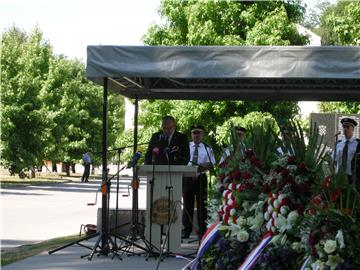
[(195, 158), (345, 155)]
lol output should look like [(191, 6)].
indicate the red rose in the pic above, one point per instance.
[(255, 162), (284, 201), (326, 182), (317, 200), (245, 175), (300, 208), (312, 212), (265, 189), (285, 172), (335, 194), (302, 166), (234, 218), (291, 159), (226, 219), (249, 152)]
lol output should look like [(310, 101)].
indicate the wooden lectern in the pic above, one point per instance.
[(165, 175)]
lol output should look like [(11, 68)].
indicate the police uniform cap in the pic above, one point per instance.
[(195, 128), (348, 122)]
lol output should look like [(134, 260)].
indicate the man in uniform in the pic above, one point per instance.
[(196, 187), (347, 152)]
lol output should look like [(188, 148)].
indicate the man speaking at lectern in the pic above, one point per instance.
[(168, 146)]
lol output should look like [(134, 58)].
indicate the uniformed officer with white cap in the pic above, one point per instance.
[(347, 150)]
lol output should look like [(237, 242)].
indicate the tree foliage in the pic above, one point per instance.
[(49, 109), (221, 23), (24, 68), (340, 25)]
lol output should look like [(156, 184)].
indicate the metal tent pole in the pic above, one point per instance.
[(104, 185)]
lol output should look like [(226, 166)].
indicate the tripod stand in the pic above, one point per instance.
[(104, 236)]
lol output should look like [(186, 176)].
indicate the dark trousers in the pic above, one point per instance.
[(86, 173), (194, 188)]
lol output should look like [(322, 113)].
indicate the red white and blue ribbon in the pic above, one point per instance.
[(211, 234), (255, 253)]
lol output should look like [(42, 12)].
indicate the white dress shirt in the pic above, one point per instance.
[(205, 154), (351, 151)]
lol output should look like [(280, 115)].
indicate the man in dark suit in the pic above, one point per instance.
[(168, 146)]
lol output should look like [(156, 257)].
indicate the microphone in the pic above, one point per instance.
[(134, 160), (337, 133), (155, 153)]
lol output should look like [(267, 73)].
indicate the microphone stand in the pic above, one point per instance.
[(152, 183)]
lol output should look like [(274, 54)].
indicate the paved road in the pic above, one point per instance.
[(35, 213)]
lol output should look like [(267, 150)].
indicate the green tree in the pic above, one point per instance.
[(49, 109), (221, 23), (340, 25), (25, 61), (74, 106)]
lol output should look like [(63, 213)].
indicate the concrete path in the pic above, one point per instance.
[(35, 213), (69, 258)]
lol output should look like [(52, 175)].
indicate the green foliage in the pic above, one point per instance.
[(221, 23), (49, 109), (25, 61)]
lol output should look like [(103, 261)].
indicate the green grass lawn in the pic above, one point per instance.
[(19, 253)]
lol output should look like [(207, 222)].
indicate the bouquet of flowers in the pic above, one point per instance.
[(311, 217)]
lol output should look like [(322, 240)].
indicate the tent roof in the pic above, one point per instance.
[(228, 72)]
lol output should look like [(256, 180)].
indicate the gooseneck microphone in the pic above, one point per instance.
[(134, 160)]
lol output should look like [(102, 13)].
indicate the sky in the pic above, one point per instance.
[(71, 25)]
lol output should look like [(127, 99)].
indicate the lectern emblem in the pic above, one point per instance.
[(160, 211)]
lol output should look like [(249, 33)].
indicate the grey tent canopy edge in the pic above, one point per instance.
[(228, 72)]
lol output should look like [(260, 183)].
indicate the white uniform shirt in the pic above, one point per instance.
[(351, 151), (204, 155)]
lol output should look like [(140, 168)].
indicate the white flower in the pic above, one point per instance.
[(277, 203), (284, 209), (230, 202), (318, 265), (340, 238), (246, 205), (292, 217), (232, 211), (268, 225), (333, 261), (281, 197), (276, 239), (274, 215), (330, 246), (241, 221), (266, 216), (257, 222), (242, 236), (270, 209), (282, 224)]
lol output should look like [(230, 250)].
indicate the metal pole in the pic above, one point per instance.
[(104, 185)]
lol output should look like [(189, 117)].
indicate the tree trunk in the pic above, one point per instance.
[(67, 168), (32, 172), (73, 168)]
